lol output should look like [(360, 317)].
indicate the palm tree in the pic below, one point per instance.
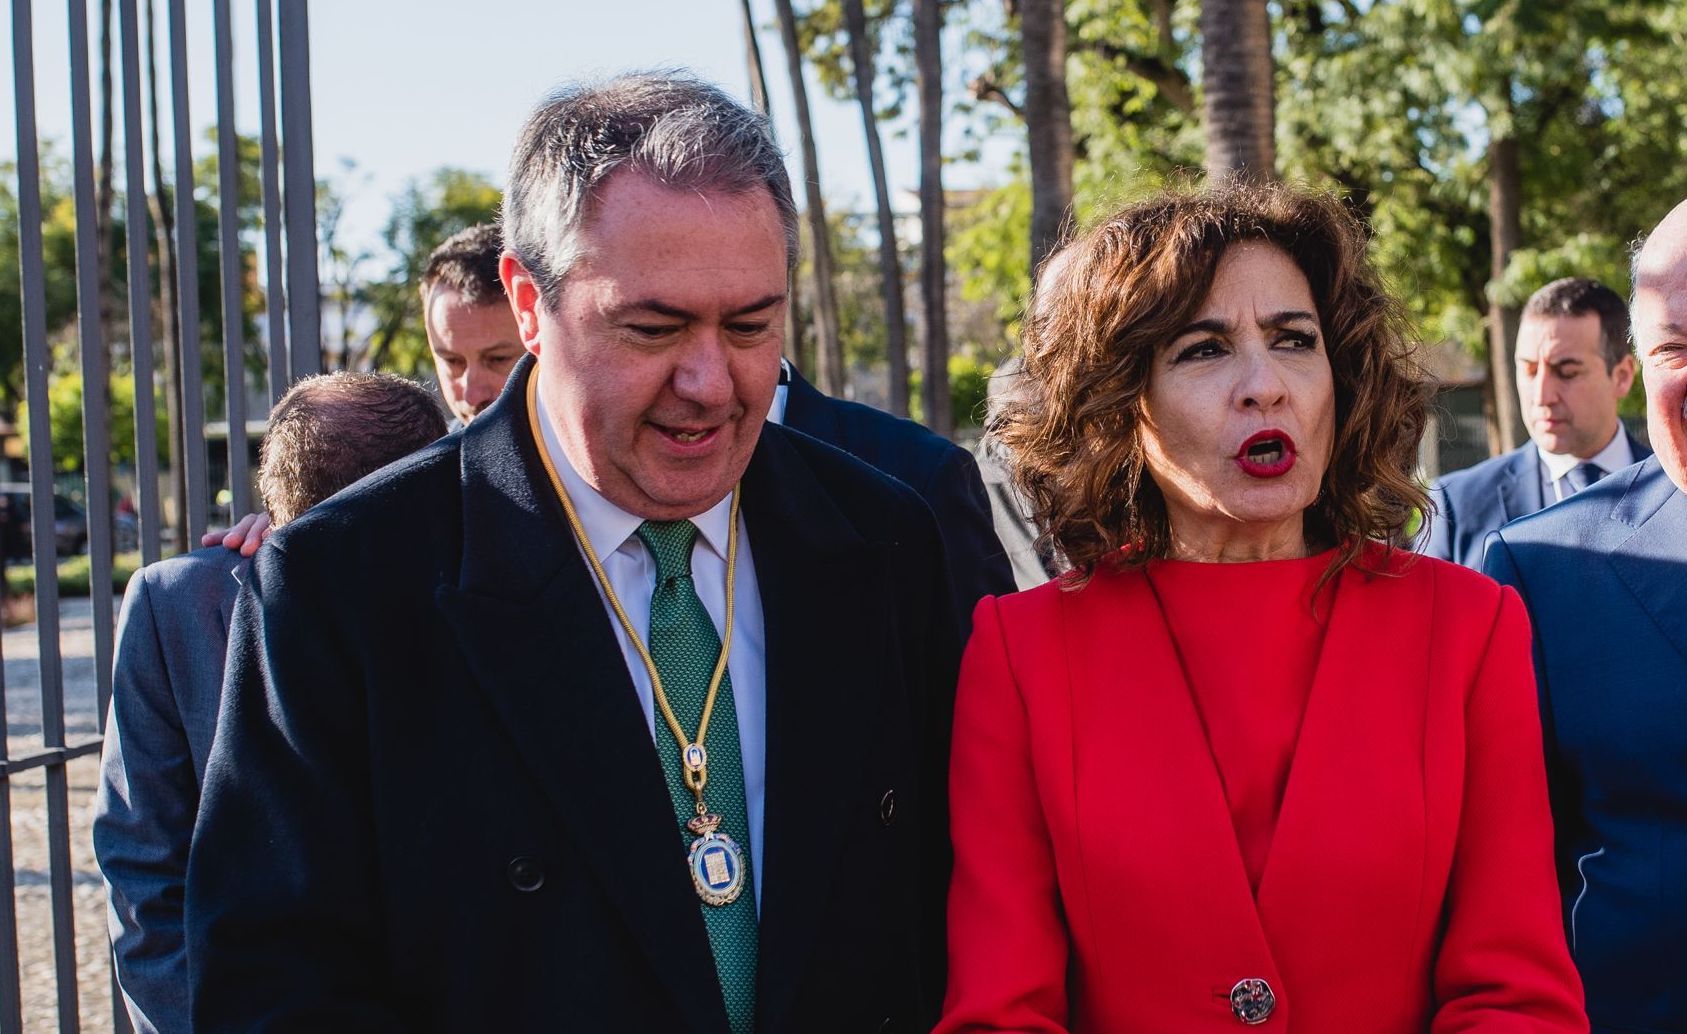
[(827, 342), (928, 74), (1236, 77), (890, 263), (1048, 122)]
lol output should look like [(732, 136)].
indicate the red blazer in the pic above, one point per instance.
[(1410, 887)]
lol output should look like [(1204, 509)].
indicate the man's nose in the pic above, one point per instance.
[(703, 373)]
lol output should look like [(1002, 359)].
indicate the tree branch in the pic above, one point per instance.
[(985, 88), (1167, 78)]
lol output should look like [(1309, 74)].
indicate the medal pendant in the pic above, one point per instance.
[(716, 862)]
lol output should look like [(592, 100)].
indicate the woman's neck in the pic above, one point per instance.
[(1230, 542)]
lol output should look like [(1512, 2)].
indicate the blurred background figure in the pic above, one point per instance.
[(1573, 367), (471, 331)]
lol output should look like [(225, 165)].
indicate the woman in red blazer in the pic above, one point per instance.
[(1247, 763)]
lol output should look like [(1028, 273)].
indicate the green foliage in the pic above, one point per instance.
[(423, 215), (64, 417), (74, 575), (969, 386)]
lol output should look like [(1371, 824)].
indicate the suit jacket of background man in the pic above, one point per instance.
[(1472, 502), (944, 474), (1604, 575), (167, 679), (434, 802)]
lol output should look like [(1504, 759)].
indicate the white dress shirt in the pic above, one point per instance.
[(1554, 466), (632, 573)]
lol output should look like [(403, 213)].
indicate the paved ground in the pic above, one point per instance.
[(29, 824)]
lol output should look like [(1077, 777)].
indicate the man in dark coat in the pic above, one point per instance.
[(540, 730), (944, 474)]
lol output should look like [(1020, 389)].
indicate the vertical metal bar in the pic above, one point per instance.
[(33, 297), (187, 286), (274, 272), (140, 287), (37, 359), (304, 316), (96, 367), (228, 237)]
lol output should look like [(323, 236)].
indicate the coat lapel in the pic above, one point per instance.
[(1649, 560), (1150, 803), (806, 411), (1520, 488), (231, 589), (1362, 729), (536, 636), (823, 591)]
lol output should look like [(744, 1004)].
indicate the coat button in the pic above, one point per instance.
[(526, 874), (887, 807), (1252, 1000)]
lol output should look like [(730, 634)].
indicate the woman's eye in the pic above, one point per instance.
[(1299, 340), (1199, 350)]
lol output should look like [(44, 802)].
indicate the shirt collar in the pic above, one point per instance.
[(608, 527), (1615, 456), (781, 394)]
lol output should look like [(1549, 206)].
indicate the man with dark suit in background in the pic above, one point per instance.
[(944, 474), (471, 332), (540, 729), (1604, 575), (1573, 367), (167, 678)]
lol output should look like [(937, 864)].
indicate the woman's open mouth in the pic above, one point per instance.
[(1267, 454)]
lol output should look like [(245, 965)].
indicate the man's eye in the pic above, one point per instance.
[(747, 329), (651, 330)]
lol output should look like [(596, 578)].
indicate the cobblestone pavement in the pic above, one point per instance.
[(28, 801)]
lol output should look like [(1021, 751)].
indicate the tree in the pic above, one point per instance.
[(1236, 84), (890, 262), (1048, 123), (423, 215), (934, 274), (825, 321)]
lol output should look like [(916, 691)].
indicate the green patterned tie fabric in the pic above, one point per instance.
[(685, 646)]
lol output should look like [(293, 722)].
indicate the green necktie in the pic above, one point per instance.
[(685, 646)]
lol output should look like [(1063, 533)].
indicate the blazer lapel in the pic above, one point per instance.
[(823, 590), (806, 411), (231, 589), (1345, 808), (1150, 804), (535, 634), (1649, 560), (1520, 488)]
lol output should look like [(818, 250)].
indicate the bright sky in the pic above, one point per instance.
[(401, 87)]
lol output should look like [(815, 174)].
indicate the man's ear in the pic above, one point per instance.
[(1622, 375), (523, 293)]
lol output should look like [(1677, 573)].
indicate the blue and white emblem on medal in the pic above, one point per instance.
[(716, 862), (695, 757)]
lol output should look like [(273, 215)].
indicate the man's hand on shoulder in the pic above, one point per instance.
[(244, 538)]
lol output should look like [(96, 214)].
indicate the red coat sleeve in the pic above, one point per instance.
[(1503, 965), (1008, 943)]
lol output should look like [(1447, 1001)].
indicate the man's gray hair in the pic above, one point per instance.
[(676, 129)]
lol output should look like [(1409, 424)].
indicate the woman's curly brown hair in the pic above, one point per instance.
[(1127, 287)]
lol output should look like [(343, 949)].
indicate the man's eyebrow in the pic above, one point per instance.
[(662, 308)]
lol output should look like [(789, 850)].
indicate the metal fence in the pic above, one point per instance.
[(47, 752)]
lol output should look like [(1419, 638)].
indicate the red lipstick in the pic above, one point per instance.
[(1267, 454)]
